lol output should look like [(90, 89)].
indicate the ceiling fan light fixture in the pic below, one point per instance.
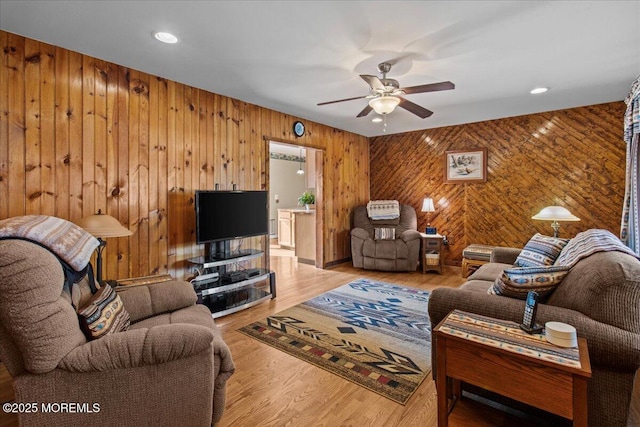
[(384, 104)]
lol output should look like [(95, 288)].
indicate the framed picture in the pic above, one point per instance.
[(465, 166)]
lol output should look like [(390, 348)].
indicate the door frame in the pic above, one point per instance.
[(319, 180)]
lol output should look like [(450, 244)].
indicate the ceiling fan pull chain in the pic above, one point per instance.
[(384, 123)]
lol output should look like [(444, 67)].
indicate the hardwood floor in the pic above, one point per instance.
[(272, 388)]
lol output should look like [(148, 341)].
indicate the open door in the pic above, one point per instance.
[(292, 170)]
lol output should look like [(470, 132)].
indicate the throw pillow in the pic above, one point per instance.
[(517, 282), (384, 234), (541, 250), (103, 314)]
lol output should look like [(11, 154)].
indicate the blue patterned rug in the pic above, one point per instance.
[(374, 334)]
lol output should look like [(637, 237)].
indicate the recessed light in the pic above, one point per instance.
[(165, 37), (539, 90), (376, 119)]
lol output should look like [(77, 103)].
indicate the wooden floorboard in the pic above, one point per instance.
[(272, 388)]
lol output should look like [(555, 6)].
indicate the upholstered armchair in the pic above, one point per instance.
[(169, 368), (400, 253)]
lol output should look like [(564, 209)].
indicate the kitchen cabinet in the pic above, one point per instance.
[(286, 228), (305, 235)]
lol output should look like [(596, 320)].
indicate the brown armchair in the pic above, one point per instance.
[(169, 368), (399, 254)]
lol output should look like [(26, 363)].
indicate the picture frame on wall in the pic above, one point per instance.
[(465, 166)]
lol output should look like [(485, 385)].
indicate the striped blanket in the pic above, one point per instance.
[(383, 209), (588, 243), (64, 238)]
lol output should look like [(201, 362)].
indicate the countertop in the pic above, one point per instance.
[(298, 210)]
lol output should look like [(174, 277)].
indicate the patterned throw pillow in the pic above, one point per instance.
[(516, 282), (540, 251), (103, 314), (384, 234)]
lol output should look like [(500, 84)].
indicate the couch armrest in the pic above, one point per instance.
[(227, 367), (409, 235), (504, 255), (139, 347), (360, 233), (608, 345), (150, 300), (444, 300), (358, 237)]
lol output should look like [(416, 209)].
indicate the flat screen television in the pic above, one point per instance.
[(222, 216)]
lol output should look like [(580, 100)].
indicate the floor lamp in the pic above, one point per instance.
[(102, 226), (555, 214)]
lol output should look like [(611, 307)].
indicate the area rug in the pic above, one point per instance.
[(374, 334)]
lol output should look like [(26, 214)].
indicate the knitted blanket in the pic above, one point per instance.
[(64, 238), (588, 243), (383, 209)]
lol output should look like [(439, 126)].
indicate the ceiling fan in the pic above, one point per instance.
[(386, 94)]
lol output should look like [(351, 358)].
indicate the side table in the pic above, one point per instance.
[(431, 252), (496, 355), (473, 256)]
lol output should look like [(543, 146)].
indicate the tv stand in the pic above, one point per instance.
[(220, 296), (217, 250), (220, 251)]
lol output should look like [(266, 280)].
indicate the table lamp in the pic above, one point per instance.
[(555, 214), (102, 226), (427, 206)]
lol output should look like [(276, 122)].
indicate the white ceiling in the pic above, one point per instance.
[(289, 56)]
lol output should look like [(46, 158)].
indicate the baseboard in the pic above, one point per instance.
[(337, 262)]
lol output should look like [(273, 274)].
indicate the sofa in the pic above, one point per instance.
[(398, 254), (168, 368), (600, 297)]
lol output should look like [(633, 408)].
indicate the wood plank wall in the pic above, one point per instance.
[(573, 158), (78, 134)]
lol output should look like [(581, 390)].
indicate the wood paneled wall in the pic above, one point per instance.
[(78, 134), (573, 158)]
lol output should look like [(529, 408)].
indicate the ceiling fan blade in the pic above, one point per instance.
[(419, 111), (373, 81), (432, 87), (365, 111), (342, 100)]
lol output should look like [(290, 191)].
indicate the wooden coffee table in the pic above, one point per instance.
[(496, 355)]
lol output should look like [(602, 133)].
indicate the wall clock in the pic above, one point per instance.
[(298, 129)]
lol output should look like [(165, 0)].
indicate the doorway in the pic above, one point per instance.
[(295, 230)]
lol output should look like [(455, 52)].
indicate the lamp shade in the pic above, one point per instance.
[(101, 225), (384, 104), (555, 213), (427, 205)]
